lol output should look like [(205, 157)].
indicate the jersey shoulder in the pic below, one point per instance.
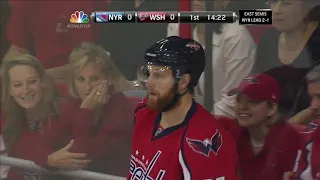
[(297, 127), (228, 123), (310, 129), (142, 111), (206, 121)]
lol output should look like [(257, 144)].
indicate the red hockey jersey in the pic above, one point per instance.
[(198, 148), (308, 160)]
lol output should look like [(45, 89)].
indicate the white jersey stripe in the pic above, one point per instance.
[(186, 172), (307, 173)]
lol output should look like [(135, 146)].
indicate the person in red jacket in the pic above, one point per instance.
[(308, 160), (102, 116), (175, 137), (31, 109), (267, 145)]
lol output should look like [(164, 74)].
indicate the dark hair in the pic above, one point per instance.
[(314, 14)]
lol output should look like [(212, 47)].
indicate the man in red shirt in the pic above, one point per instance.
[(175, 137), (41, 28), (308, 160)]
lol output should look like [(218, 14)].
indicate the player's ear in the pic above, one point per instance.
[(184, 82)]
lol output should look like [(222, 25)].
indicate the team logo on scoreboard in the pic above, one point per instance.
[(142, 16), (101, 17)]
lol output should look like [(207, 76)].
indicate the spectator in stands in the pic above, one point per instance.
[(233, 56), (311, 140), (126, 42), (105, 133), (313, 111), (89, 50), (308, 160), (31, 108), (291, 49), (262, 137), (41, 29)]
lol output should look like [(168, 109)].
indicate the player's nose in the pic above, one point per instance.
[(149, 83)]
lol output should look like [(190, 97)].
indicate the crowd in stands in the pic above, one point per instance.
[(64, 91)]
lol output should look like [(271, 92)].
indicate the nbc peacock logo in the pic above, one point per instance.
[(79, 17)]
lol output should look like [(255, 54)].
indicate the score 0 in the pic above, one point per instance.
[(130, 17), (172, 17)]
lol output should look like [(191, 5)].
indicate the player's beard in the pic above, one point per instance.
[(162, 101)]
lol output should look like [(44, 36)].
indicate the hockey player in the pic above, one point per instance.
[(175, 137)]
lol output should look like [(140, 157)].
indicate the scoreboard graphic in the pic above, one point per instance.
[(245, 17), (101, 17), (258, 16), (157, 17), (113, 17)]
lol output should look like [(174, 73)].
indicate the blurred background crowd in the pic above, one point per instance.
[(88, 78)]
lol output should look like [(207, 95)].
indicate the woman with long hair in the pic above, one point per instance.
[(31, 109), (104, 134), (261, 134)]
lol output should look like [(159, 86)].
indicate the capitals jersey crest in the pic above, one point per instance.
[(208, 145)]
